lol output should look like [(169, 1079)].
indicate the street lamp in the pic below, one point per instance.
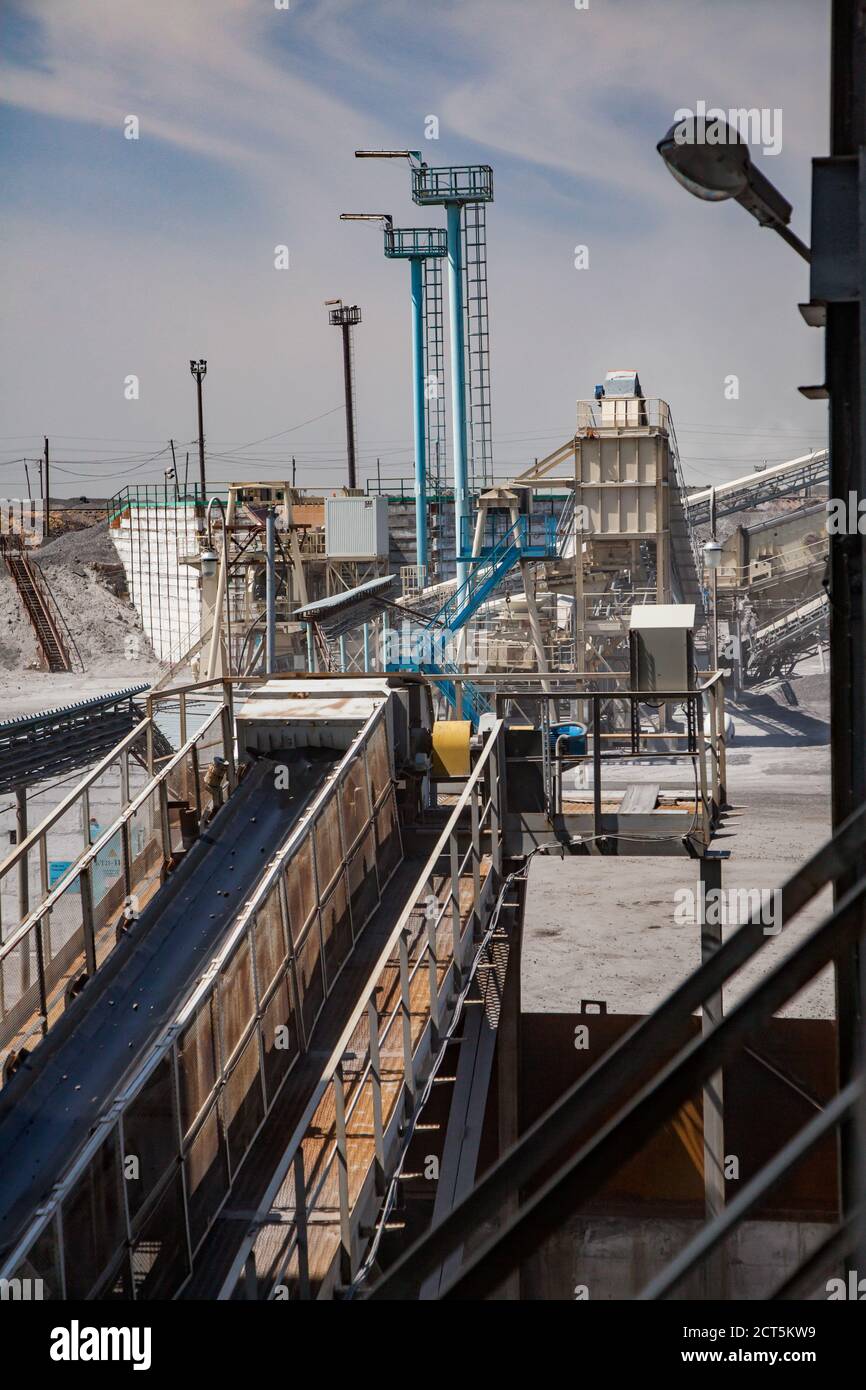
[(711, 160), (416, 245), (208, 569), (712, 560), (209, 561), (345, 317), (199, 371)]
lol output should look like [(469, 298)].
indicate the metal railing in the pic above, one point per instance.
[(617, 733), (252, 1012), (74, 929), (50, 836), (384, 1057), (623, 412)]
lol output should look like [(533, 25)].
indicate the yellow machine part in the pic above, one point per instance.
[(451, 747)]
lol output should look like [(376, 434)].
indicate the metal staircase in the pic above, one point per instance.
[(685, 567), (518, 542), (483, 578), (686, 562), (39, 606)]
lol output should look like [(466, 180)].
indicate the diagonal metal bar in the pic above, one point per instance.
[(772, 1172), (587, 1101), (628, 1131), (826, 1256)]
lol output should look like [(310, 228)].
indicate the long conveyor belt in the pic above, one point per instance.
[(52, 1104)]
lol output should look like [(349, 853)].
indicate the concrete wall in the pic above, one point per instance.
[(615, 1257), (150, 541)]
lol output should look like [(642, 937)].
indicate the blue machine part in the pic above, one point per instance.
[(571, 738)]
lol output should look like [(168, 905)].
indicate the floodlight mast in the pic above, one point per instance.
[(344, 317), (453, 192), (415, 245)]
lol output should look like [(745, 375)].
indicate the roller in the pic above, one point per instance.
[(451, 748)]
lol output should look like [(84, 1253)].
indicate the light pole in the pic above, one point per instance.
[(199, 371), (712, 560), (344, 317), (414, 244), (452, 186), (837, 294), (208, 569)]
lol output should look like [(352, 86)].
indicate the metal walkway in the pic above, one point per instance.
[(270, 987), (781, 480)]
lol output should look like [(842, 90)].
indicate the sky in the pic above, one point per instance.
[(127, 257)]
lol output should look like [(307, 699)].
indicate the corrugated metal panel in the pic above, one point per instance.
[(356, 528)]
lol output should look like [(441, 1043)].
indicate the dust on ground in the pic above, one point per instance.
[(102, 628)]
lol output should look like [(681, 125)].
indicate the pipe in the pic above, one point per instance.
[(416, 268), (271, 610), (458, 378)]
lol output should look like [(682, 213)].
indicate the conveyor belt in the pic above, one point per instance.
[(50, 1107)]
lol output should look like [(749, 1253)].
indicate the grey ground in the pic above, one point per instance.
[(603, 928)]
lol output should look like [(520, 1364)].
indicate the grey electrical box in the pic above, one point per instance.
[(356, 528), (661, 646)]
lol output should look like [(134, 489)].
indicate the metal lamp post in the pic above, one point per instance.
[(451, 186), (208, 569), (837, 293), (345, 317), (199, 371), (720, 168), (415, 244)]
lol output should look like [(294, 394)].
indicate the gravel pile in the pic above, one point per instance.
[(89, 546), (105, 629)]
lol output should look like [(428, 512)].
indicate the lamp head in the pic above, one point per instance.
[(711, 159), (712, 555), (708, 158), (208, 564)]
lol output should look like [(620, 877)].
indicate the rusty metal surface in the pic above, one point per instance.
[(763, 1109)]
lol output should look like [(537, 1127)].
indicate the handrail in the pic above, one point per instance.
[(53, 816), (480, 574), (54, 610), (107, 836), (331, 1068)]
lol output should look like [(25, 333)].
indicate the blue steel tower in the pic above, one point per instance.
[(463, 190), (415, 245)]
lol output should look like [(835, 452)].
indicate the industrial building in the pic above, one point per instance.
[(449, 912)]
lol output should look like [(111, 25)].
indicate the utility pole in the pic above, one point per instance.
[(345, 317), (199, 371), (27, 476), (47, 492)]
